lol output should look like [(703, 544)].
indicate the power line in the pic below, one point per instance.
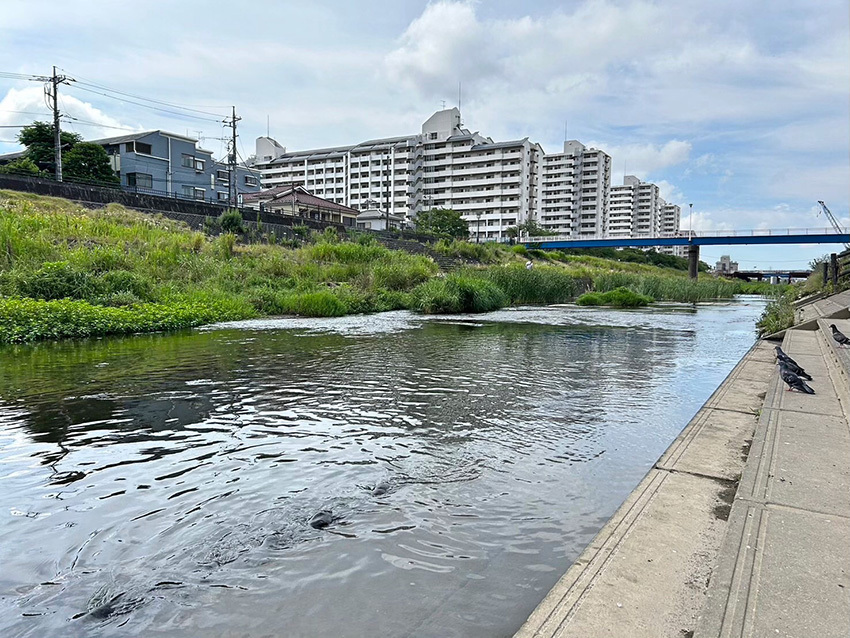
[(188, 107), (148, 106), (23, 112)]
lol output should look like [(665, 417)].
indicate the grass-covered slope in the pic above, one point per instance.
[(67, 271)]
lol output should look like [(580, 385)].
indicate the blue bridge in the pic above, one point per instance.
[(694, 239)]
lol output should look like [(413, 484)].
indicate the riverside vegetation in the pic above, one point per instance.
[(67, 271)]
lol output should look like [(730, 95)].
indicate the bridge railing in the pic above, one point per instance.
[(752, 232)]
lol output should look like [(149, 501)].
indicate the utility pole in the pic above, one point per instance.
[(232, 192), (53, 95)]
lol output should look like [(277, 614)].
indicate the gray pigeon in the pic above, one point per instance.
[(839, 336), (792, 365), (794, 382)]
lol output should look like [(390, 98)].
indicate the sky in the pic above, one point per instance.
[(739, 111)]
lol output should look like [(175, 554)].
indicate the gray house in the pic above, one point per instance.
[(164, 163)]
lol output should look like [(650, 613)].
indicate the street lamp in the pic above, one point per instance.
[(690, 219), (478, 228)]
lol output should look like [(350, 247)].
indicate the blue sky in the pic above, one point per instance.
[(739, 108)]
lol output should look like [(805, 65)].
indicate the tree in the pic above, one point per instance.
[(444, 222), (38, 138), (88, 161), (532, 229), (21, 166)]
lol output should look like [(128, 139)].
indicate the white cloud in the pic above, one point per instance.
[(24, 106), (642, 160)]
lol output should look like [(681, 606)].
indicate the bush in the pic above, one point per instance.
[(778, 314), (230, 221), (457, 293), (619, 298)]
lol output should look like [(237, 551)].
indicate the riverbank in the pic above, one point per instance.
[(717, 538), (68, 271)]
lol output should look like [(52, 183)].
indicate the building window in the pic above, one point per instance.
[(223, 196), (139, 147), (193, 192), (140, 180), (223, 176), (252, 181)]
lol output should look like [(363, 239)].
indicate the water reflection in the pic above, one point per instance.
[(169, 482)]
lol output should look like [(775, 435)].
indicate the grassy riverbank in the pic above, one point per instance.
[(66, 271)]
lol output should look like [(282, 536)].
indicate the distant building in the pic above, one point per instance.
[(493, 185), (374, 219), (444, 166), (165, 163), (297, 201), (574, 190), (726, 266)]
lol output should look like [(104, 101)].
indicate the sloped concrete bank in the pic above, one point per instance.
[(647, 571)]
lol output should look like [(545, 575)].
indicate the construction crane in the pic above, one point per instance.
[(835, 225)]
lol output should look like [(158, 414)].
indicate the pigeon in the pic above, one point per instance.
[(794, 382), (792, 365), (839, 336)]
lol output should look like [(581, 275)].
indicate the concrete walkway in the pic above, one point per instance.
[(669, 565), (784, 567)]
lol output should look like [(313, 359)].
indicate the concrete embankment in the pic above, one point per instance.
[(668, 564)]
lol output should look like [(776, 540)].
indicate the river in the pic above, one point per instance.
[(163, 485)]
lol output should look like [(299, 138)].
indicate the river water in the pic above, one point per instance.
[(163, 485)]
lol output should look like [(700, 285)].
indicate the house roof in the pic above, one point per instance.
[(119, 139), (373, 213), (292, 194), (8, 157)]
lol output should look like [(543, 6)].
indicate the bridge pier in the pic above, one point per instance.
[(693, 260)]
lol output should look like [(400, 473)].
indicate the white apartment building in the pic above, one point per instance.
[(494, 185), (574, 190), (635, 209)]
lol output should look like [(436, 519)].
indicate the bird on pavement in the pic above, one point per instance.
[(792, 365), (794, 382), (839, 336)]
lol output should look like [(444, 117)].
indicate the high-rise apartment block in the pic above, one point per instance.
[(574, 191), (494, 185)]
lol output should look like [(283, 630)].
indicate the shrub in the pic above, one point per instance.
[(778, 314), (230, 221), (519, 249), (619, 298), (457, 293)]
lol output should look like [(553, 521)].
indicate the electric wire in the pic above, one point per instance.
[(88, 82), (148, 106)]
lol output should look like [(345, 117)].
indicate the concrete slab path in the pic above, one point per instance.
[(784, 567)]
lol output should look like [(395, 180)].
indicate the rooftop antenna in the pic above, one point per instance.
[(267, 125), (565, 130), (459, 94), (443, 103)]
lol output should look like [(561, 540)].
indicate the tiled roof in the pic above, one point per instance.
[(297, 195)]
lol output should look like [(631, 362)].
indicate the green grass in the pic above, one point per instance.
[(618, 298), (778, 314), (457, 293), (67, 271)]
